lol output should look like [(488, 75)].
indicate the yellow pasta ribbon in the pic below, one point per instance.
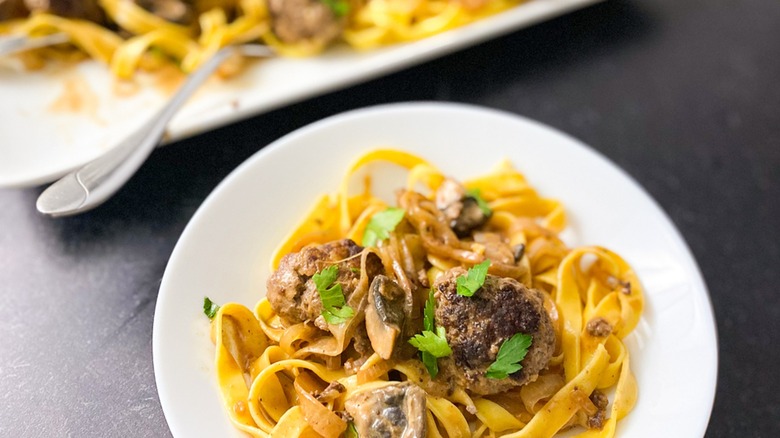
[(563, 405), (371, 23), (128, 56), (403, 159), (137, 20), (625, 399), (98, 42), (495, 417), (449, 417), (239, 341), (269, 389), (291, 425), (570, 308)]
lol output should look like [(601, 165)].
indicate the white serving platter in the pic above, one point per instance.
[(53, 121)]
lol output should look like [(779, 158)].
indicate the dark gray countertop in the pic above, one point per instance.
[(683, 95)]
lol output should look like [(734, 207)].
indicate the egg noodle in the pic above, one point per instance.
[(269, 374), (153, 40)]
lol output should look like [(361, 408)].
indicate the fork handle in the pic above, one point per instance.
[(20, 43), (96, 181)]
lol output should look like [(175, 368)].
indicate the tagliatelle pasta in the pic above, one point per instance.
[(134, 38), (282, 379)]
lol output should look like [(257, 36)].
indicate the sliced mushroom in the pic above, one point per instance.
[(331, 392), (461, 210), (393, 411), (175, 11), (385, 314), (496, 247), (304, 21)]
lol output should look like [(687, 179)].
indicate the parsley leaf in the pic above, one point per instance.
[(352, 431), (470, 283), (511, 353), (428, 359), (429, 312), (433, 343), (431, 364), (339, 7), (334, 306), (481, 203), (381, 224), (210, 308)]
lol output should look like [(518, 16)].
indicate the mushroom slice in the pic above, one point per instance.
[(393, 411), (175, 11), (461, 210), (385, 314), (496, 247)]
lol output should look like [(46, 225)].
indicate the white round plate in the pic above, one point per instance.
[(225, 250)]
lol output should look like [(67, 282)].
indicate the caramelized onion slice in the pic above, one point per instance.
[(320, 418)]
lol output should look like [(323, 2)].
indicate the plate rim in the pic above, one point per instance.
[(441, 107)]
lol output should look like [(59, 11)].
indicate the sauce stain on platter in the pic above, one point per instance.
[(77, 97)]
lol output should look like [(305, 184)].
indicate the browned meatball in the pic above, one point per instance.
[(293, 294), (476, 327), (299, 21)]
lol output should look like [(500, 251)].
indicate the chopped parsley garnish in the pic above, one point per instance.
[(429, 312), (339, 7), (381, 224), (352, 431), (432, 342), (470, 283), (511, 353), (210, 308), (334, 306), (481, 203)]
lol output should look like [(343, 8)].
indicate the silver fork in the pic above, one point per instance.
[(96, 181), (19, 43)]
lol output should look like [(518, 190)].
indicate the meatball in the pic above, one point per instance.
[(293, 294), (300, 21), (393, 411), (476, 327)]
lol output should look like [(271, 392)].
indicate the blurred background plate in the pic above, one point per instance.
[(225, 250), (54, 121)]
